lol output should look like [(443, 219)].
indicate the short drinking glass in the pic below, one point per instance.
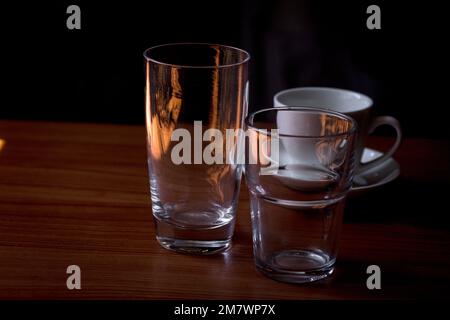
[(299, 169)]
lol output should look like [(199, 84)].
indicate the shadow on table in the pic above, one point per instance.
[(402, 201)]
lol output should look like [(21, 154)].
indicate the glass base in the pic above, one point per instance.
[(213, 236), (296, 266), (194, 246)]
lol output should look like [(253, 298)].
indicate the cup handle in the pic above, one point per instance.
[(377, 122)]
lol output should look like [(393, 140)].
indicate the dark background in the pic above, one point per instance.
[(96, 74)]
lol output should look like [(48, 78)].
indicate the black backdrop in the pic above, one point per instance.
[(96, 74)]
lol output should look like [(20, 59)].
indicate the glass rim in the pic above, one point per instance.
[(352, 130), (205, 44)]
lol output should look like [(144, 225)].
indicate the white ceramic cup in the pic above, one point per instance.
[(353, 104)]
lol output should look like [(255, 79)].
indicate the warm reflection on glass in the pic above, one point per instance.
[(192, 91)]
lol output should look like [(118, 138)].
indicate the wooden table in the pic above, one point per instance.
[(78, 194)]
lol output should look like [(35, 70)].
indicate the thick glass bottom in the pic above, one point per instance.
[(296, 266)]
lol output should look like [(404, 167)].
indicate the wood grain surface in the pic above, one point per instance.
[(78, 194)]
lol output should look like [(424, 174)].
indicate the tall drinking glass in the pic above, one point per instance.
[(299, 170), (194, 94)]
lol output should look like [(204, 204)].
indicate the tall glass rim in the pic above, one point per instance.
[(354, 126), (147, 55)]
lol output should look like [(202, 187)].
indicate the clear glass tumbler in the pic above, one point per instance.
[(195, 95), (299, 169)]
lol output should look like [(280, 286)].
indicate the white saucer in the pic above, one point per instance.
[(377, 176), (368, 179)]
